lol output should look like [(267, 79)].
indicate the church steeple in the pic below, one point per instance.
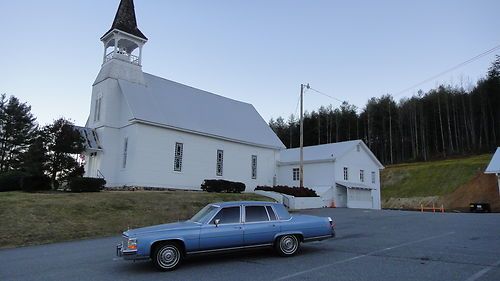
[(123, 44), (125, 20), (124, 41)]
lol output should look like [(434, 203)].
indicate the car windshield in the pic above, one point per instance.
[(204, 214)]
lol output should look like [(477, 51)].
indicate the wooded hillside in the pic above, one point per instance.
[(447, 120)]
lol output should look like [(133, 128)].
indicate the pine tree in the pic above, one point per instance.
[(64, 144), (17, 129)]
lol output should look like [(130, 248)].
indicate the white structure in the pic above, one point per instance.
[(344, 174), (153, 132), (494, 167), (147, 131)]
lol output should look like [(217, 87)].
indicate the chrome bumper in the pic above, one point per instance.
[(126, 254)]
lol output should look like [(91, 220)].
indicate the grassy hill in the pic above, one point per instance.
[(39, 218), (436, 178)]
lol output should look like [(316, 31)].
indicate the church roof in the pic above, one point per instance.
[(125, 20), (169, 104)]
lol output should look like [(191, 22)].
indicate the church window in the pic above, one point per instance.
[(178, 157), (220, 162), (97, 109), (254, 166), (125, 151), (362, 175), (296, 174), (346, 174), (373, 177)]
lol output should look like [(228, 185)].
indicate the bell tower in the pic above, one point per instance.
[(123, 45)]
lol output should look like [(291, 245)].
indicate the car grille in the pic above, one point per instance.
[(124, 241)]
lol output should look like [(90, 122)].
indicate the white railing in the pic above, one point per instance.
[(122, 56)]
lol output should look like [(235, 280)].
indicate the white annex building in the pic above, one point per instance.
[(346, 173), (494, 167), (147, 131)]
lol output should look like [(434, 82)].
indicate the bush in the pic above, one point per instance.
[(10, 181), (80, 184), (293, 191), (222, 186), (35, 183)]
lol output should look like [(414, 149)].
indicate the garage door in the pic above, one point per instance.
[(359, 198)]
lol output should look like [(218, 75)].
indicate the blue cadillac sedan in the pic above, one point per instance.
[(221, 227)]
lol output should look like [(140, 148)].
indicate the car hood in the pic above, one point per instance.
[(161, 227)]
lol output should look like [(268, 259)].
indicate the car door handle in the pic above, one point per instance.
[(237, 227)]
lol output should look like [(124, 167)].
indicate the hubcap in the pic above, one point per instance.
[(288, 244), (168, 256)]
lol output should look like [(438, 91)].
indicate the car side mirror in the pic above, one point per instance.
[(217, 222)]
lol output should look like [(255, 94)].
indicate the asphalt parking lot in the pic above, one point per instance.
[(370, 245)]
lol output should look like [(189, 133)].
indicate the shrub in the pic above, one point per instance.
[(80, 184), (10, 181), (35, 183), (222, 186), (293, 191)]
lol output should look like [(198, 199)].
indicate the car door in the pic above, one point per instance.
[(260, 225), (227, 234)]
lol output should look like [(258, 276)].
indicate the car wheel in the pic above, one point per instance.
[(167, 257), (287, 245)]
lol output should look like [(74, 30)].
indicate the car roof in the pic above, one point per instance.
[(238, 203)]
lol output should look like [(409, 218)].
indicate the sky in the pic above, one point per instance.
[(257, 51)]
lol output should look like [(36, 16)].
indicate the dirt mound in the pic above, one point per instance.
[(482, 189)]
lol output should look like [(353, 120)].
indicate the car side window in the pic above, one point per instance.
[(271, 213), (227, 215), (255, 214)]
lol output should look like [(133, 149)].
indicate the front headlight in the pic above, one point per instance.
[(132, 244)]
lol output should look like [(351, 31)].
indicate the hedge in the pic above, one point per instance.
[(293, 191), (35, 183), (11, 181), (223, 186), (79, 184)]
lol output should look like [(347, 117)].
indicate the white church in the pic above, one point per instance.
[(148, 131)]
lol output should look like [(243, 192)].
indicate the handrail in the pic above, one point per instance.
[(433, 208), (131, 58)]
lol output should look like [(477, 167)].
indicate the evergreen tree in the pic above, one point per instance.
[(64, 144), (17, 129), (35, 160)]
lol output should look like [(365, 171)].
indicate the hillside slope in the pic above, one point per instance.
[(454, 183)]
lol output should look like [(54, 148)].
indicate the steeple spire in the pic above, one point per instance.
[(125, 20)]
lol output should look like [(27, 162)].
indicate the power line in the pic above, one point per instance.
[(321, 93), (297, 106), (449, 70)]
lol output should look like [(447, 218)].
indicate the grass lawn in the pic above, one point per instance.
[(434, 178), (39, 218)]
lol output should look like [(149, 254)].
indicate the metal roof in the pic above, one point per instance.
[(494, 166), (169, 104), (90, 136), (324, 152), (352, 185)]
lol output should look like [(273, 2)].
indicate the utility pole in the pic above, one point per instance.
[(301, 170)]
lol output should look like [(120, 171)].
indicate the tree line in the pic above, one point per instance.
[(30, 150), (445, 121)]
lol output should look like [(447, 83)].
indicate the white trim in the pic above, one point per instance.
[(289, 163)]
